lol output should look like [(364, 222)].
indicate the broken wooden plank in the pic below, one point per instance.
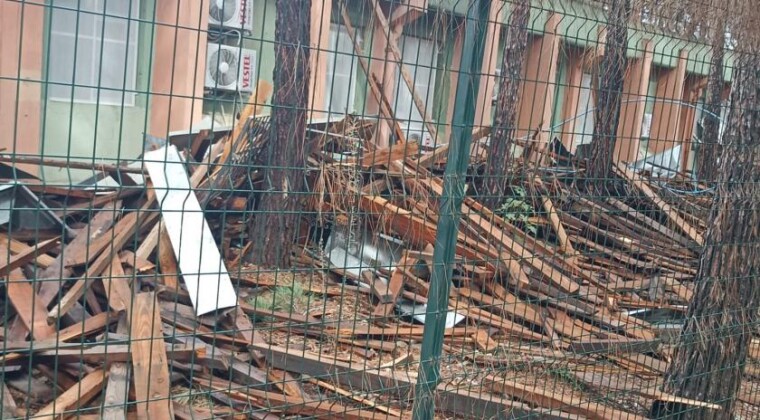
[(598, 345), (547, 398), (671, 213), (117, 389), (126, 231), (197, 253), (75, 397), (621, 383), (42, 260), (51, 278), (452, 399), (167, 262), (25, 256), (30, 309), (149, 360), (396, 283), (357, 398), (8, 409)]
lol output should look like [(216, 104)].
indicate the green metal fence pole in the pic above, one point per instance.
[(451, 203)]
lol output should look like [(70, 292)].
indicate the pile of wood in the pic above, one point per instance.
[(127, 316)]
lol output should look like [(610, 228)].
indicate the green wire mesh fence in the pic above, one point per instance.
[(379, 209)]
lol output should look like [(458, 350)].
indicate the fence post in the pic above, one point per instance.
[(450, 207)]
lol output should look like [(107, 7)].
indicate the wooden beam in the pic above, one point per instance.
[(549, 399), (670, 212), (149, 360), (571, 101), (448, 398), (321, 12), (167, 261), (75, 397), (635, 90), (17, 247), (537, 89), (26, 256), (484, 104), (56, 273), (117, 389), (125, 232), (30, 309), (666, 115)]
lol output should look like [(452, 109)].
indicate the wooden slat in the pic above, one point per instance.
[(28, 306), (167, 261), (9, 409), (51, 278), (396, 283), (671, 213), (74, 397), (24, 257), (543, 397), (124, 232), (117, 388), (42, 260), (149, 360), (116, 284)]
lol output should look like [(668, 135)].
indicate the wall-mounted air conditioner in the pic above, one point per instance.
[(230, 68), (235, 14), (417, 134)]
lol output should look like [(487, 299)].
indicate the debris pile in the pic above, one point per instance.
[(145, 304)]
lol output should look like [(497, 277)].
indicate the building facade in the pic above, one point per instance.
[(87, 79)]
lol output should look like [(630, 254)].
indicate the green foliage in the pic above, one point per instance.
[(518, 210), (280, 299)]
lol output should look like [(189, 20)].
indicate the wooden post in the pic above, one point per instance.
[(321, 12), (691, 94), (537, 90), (21, 43), (635, 89), (179, 64), (572, 99), (667, 109), (484, 104), (453, 78)]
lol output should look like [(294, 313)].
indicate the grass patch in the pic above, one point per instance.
[(290, 299)]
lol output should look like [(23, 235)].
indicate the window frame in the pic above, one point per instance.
[(128, 90), (411, 125), (339, 31)]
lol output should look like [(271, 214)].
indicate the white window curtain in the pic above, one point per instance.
[(341, 72), (419, 57), (93, 44)]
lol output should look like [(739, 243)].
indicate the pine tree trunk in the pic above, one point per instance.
[(610, 92), (274, 224), (710, 356), (708, 156), (500, 149)]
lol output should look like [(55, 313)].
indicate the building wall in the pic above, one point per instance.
[(84, 131), (89, 131)]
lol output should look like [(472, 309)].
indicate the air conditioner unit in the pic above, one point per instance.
[(236, 14), (420, 135), (230, 68)]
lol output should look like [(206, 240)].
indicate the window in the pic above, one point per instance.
[(419, 58), (93, 44), (341, 71), (584, 121)]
